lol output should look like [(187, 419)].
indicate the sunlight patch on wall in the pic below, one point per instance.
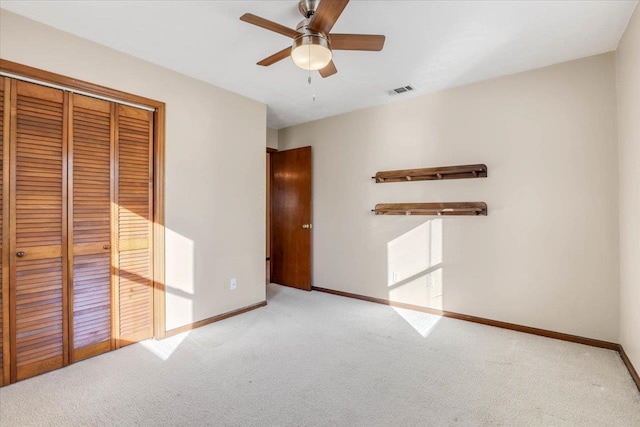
[(179, 278), (425, 291), (414, 252), (414, 266)]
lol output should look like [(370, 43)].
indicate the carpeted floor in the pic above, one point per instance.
[(318, 359)]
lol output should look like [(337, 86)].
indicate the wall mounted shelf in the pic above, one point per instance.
[(432, 174), (454, 208)]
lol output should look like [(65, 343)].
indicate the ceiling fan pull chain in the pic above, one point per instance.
[(309, 50), (309, 80), (313, 95)]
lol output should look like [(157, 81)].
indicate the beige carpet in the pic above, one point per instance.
[(317, 359)]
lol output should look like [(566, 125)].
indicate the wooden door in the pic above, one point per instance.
[(5, 108), (38, 257), (291, 226), (90, 193), (134, 199)]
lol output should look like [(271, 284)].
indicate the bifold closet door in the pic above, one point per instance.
[(90, 194), (38, 257), (5, 109), (134, 199), (76, 224)]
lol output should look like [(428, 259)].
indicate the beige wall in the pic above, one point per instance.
[(215, 168), (547, 253), (272, 138), (628, 80)]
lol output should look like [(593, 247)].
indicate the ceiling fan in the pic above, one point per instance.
[(312, 41)]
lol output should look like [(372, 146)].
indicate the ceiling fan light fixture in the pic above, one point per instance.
[(311, 52), (313, 39)]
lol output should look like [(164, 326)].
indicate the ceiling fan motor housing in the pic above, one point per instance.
[(308, 7)]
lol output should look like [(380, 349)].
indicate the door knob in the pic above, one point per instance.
[(307, 226), (106, 247), (20, 254)]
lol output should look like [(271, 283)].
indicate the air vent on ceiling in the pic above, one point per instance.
[(400, 90)]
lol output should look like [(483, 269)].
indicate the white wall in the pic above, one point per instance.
[(628, 80), (215, 168), (546, 255), (272, 138)]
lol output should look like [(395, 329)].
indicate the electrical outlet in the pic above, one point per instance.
[(232, 283), (394, 279)]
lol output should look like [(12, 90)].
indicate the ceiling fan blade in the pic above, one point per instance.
[(278, 56), (326, 15), (356, 42), (328, 70), (269, 25)]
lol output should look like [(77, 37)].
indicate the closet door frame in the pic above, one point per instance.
[(5, 374), (158, 158)]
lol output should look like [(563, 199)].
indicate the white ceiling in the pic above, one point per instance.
[(430, 45)]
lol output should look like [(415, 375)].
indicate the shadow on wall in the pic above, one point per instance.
[(414, 266)]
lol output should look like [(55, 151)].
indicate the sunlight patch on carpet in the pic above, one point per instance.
[(165, 348), (423, 323)]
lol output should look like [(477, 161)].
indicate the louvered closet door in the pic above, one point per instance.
[(38, 230), (90, 193), (5, 108), (134, 225)]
